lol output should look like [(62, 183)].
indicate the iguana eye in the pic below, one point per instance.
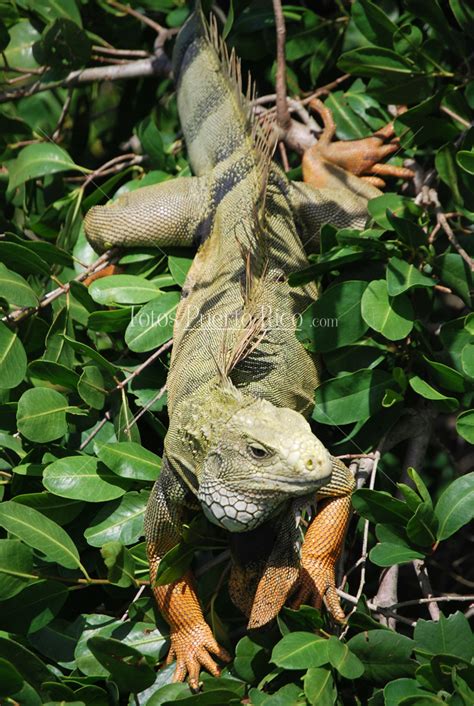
[(257, 451)]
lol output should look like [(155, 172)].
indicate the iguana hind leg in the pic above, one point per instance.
[(192, 641), (359, 157), (323, 544), (173, 213)]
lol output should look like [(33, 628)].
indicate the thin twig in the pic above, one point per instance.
[(104, 261), (139, 16), (121, 52), (365, 536), (136, 597), (145, 408), (120, 385), (57, 131), (455, 116), (381, 610), (106, 418), (425, 586), (283, 114), (443, 221)]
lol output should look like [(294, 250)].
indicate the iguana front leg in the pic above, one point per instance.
[(191, 638), (323, 544), (175, 212)]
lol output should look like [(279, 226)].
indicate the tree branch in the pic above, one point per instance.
[(283, 114), (156, 65)]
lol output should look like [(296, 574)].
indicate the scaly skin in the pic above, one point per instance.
[(240, 384)]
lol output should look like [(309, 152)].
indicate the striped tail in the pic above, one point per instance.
[(214, 114)]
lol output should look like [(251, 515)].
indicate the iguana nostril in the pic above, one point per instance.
[(310, 464)]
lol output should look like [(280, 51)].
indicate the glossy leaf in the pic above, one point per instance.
[(82, 478), (130, 460), (455, 507), (39, 532), (13, 359), (39, 160)]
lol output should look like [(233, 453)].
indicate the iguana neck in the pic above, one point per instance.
[(199, 421)]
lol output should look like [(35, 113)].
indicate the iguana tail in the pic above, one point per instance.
[(214, 114)]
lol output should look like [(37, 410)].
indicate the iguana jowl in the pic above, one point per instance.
[(240, 384)]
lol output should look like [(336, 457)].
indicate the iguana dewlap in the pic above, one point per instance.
[(240, 384)]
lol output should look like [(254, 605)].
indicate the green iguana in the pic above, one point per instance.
[(240, 384)]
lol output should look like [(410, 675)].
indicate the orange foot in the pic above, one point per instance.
[(360, 157), (317, 584), (191, 647)]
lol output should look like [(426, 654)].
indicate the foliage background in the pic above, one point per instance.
[(83, 412)]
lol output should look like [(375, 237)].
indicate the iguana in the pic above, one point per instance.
[(240, 384)]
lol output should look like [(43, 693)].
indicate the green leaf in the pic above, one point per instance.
[(39, 532), (123, 289), (349, 125), (55, 373), (319, 687), (37, 605), (450, 635), (376, 61), (395, 205), (445, 376), (464, 15), (467, 359), (120, 564), (15, 289), (229, 21), (13, 360), (39, 160), (152, 142), (390, 316), (16, 567), (384, 654), (379, 506), (335, 319), (153, 324), (19, 52), (126, 666), (11, 681), (455, 507), (251, 660), (122, 521), (454, 272), (350, 398), (342, 659), (63, 46), (298, 649), (373, 22), (175, 563), (465, 159), (389, 554), (22, 259), (179, 266), (402, 276), (465, 425), (41, 414), (82, 478), (91, 353), (421, 387), (395, 692), (422, 527), (91, 387), (130, 460)]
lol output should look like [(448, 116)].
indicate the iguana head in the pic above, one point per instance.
[(262, 456)]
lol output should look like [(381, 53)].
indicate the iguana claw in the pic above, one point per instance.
[(191, 648), (316, 585)]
